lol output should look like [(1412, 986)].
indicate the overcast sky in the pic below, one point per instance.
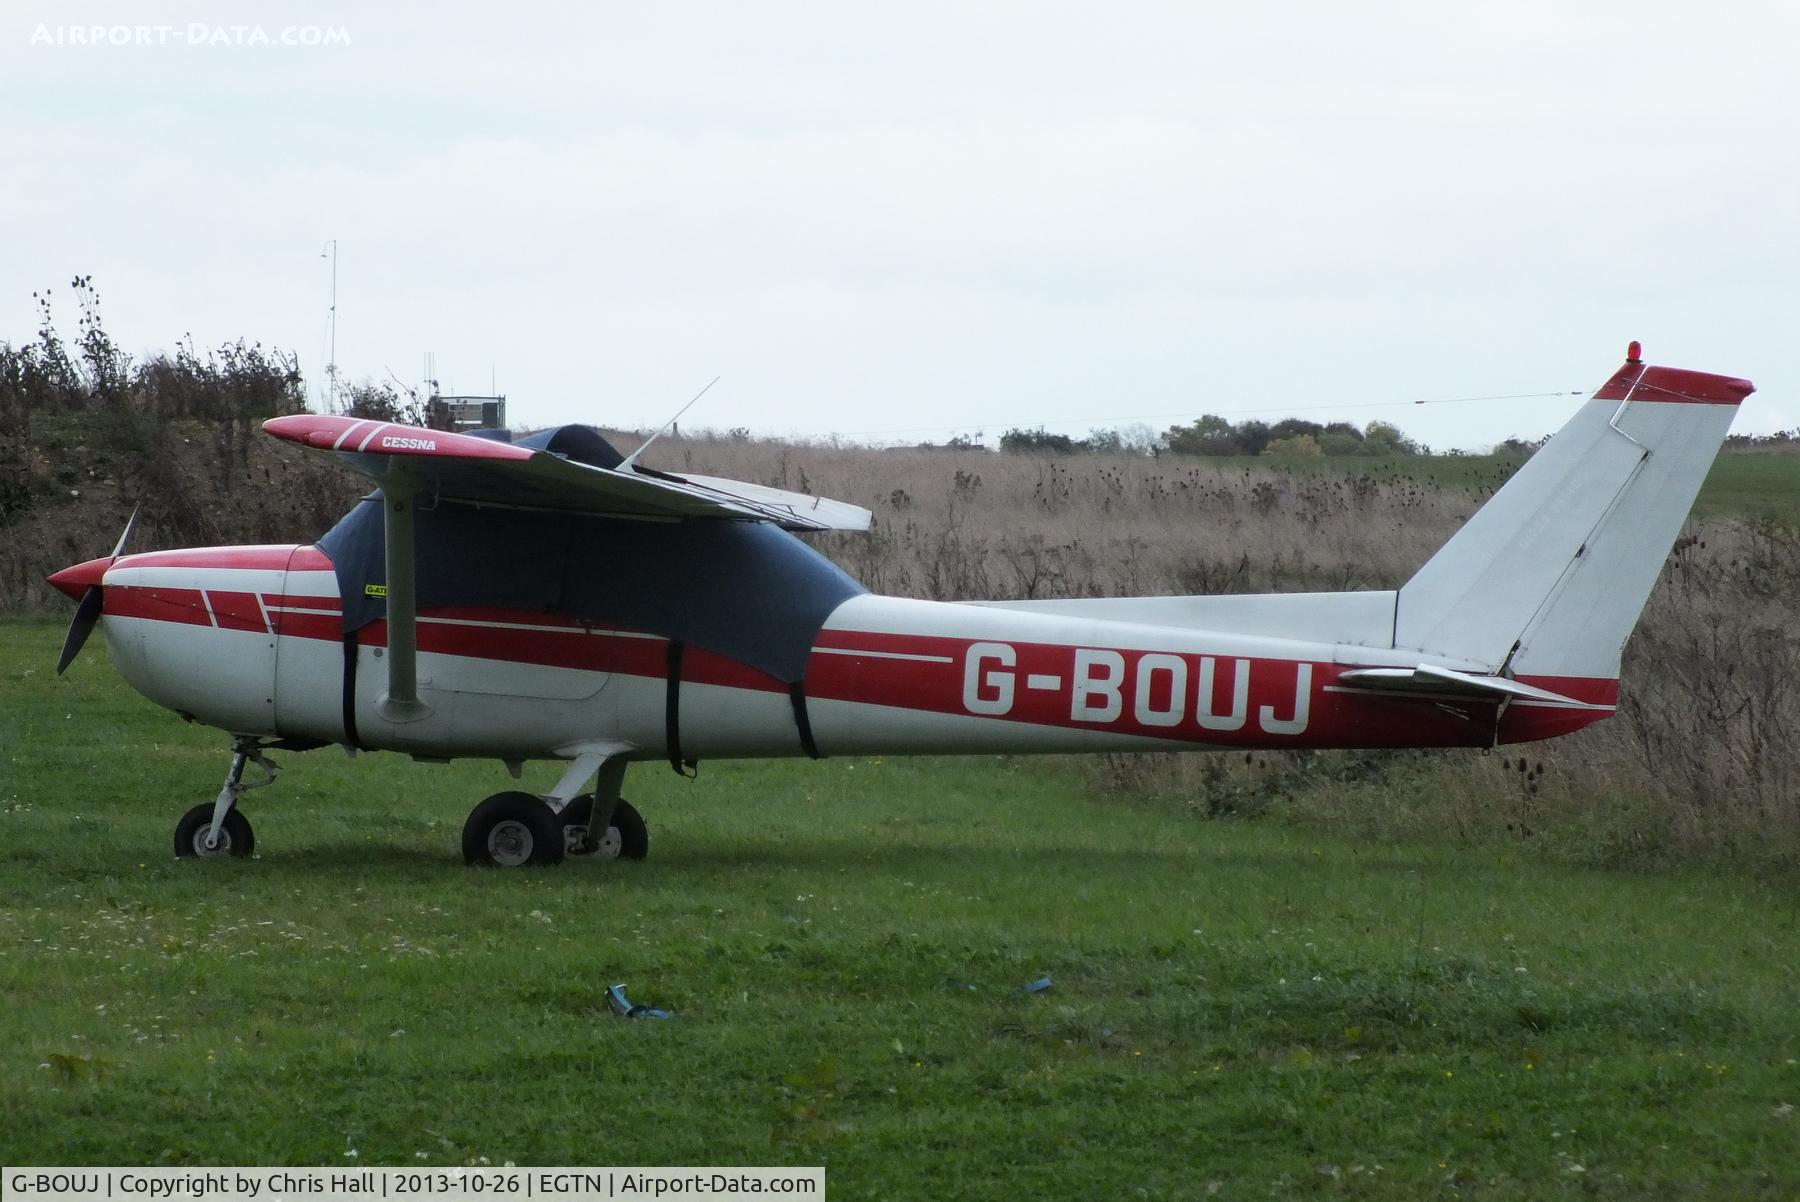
[(875, 218)]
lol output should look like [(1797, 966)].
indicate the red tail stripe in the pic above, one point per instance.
[(1673, 385), (1690, 387)]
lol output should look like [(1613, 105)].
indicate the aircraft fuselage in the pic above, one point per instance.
[(250, 639)]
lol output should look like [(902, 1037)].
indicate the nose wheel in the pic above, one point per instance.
[(217, 829), (236, 839)]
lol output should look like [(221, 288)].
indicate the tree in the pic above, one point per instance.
[(383, 403), (1209, 434), (1252, 437), (1038, 442), (1104, 442), (1293, 427), (1298, 444), (1524, 448), (1385, 438)]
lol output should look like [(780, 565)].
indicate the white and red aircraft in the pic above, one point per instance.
[(550, 599)]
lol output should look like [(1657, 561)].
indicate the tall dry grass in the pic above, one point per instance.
[(955, 525)]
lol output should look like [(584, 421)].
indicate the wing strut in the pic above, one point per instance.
[(401, 701)]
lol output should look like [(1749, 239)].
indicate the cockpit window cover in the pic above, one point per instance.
[(746, 590), (583, 444)]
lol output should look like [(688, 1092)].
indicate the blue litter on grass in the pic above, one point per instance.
[(1037, 986), (621, 1006)]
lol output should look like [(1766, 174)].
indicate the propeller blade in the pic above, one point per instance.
[(131, 521), (87, 615)]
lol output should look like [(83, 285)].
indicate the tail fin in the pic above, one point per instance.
[(1549, 577)]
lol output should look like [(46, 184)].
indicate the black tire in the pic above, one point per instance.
[(236, 839), (512, 830), (626, 838)]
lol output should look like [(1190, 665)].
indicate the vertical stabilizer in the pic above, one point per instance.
[(1548, 578)]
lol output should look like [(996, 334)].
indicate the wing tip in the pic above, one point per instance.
[(326, 432)]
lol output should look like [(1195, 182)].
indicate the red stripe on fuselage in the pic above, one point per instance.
[(1154, 694), (300, 601), (587, 647), (325, 627), (236, 611), (1150, 694), (587, 650), (183, 605)]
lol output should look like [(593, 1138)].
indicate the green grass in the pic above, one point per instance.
[(1467, 472), (1243, 1004), (1753, 484), (1741, 483)]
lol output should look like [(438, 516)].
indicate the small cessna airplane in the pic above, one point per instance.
[(549, 598)]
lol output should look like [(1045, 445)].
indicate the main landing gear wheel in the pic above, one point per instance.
[(625, 838), (235, 836), (509, 830)]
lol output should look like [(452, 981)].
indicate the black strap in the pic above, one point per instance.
[(797, 695), (672, 709), (350, 657)]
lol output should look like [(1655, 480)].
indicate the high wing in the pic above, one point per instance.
[(461, 467)]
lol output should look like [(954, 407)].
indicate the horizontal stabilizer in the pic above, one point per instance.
[(1433, 683), (464, 468)]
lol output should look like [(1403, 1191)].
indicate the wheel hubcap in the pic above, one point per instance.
[(509, 844), (607, 846), (200, 847)]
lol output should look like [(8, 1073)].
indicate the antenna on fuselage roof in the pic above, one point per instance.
[(629, 463)]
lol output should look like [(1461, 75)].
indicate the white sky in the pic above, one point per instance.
[(881, 217)]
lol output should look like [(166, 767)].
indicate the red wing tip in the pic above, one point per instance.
[(75, 580), (288, 427), (311, 429), (332, 433)]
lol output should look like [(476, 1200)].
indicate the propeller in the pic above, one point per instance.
[(87, 614)]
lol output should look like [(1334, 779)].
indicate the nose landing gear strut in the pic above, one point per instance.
[(218, 828)]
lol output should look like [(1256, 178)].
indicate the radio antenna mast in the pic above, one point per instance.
[(331, 371), (630, 461)]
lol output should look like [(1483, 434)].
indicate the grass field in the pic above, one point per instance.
[(1753, 485), (1741, 483), (1239, 1009)]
